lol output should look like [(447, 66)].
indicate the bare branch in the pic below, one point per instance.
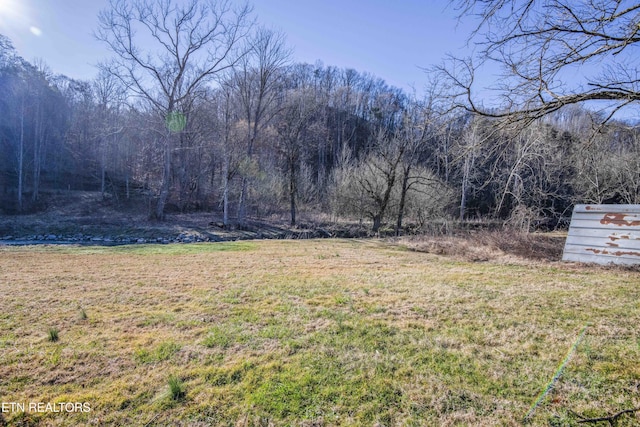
[(538, 44), (611, 418)]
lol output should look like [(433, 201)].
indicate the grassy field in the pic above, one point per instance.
[(311, 333)]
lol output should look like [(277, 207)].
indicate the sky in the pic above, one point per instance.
[(393, 40)]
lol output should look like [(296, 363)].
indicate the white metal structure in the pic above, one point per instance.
[(604, 234)]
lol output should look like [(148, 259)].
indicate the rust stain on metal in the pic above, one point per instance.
[(616, 253), (619, 220), (632, 253), (615, 237), (604, 234)]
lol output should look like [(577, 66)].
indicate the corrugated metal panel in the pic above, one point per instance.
[(604, 234)]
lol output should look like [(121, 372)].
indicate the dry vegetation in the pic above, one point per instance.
[(312, 333), (504, 245)]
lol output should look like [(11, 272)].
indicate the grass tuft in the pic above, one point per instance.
[(53, 334), (177, 389)]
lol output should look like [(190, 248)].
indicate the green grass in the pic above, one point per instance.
[(158, 249), (53, 334), (176, 388), (163, 351), (324, 333), (218, 337)]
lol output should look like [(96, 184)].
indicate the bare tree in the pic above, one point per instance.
[(418, 127), (257, 81), (628, 170), (544, 48), (14, 89), (166, 52), (109, 97), (18, 90), (468, 153), (225, 117), (377, 175), (608, 167), (294, 128)]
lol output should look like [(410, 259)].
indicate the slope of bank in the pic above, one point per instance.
[(85, 218)]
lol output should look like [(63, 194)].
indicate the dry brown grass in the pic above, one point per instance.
[(492, 246), (318, 332)]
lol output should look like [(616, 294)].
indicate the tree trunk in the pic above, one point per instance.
[(21, 159), (377, 218), (225, 193), (403, 199), (384, 202), (377, 222), (242, 203), (465, 179), (242, 208), (37, 149), (166, 178), (292, 190), (103, 172)]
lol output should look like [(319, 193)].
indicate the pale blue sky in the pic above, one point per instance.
[(390, 39)]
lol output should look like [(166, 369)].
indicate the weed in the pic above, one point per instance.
[(83, 314), (142, 355), (177, 389), (54, 357), (342, 299), (53, 334)]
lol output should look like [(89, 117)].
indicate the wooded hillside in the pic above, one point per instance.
[(248, 133)]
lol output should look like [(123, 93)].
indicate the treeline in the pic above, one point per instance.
[(271, 137)]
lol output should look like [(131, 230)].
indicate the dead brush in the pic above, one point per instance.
[(532, 246), (464, 247), (490, 245)]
